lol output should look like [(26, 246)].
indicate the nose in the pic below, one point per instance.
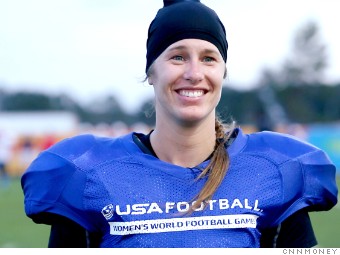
[(193, 72)]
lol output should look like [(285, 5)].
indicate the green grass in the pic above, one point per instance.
[(327, 225), (18, 231)]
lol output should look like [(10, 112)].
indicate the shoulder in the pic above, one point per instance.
[(283, 144), (79, 144), (78, 154), (306, 173), (85, 147), (282, 148), (76, 145)]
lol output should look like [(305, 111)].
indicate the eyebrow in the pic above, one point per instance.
[(177, 48), (181, 47)]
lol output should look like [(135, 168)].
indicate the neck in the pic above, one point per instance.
[(183, 146)]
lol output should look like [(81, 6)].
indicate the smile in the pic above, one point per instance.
[(191, 93)]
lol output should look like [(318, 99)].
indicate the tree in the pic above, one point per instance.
[(304, 66), (308, 59)]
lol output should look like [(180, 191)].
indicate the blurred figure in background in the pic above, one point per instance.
[(27, 150), (47, 141), (5, 155)]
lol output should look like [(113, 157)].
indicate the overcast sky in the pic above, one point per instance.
[(90, 48)]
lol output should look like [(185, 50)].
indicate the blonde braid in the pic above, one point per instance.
[(216, 169)]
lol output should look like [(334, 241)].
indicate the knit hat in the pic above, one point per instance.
[(184, 19)]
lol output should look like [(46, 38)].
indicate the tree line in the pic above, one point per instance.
[(299, 104)]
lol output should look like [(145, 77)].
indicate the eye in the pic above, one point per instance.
[(208, 59), (177, 58)]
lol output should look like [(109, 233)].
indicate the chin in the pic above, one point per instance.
[(192, 117)]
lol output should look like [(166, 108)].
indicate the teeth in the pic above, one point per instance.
[(191, 93)]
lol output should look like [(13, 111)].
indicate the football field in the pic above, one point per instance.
[(18, 231)]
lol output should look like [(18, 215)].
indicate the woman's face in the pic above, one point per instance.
[(187, 79)]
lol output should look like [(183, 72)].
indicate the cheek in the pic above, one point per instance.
[(216, 77), (160, 85), (165, 78)]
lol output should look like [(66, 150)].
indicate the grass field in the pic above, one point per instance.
[(16, 230)]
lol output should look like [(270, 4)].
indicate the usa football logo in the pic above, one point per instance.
[(107, 211)]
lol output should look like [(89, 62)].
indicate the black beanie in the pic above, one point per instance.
[(184, 19)]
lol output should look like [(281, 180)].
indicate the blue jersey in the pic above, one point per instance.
[(133, 199)]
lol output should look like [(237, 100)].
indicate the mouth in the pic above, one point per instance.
[(191, 93)]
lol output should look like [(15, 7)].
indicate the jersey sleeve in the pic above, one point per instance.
[(308, 179), (54, 183), (307, 175)]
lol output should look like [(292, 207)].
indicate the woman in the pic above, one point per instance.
[(190, 182)]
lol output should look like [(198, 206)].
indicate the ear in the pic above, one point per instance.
[(150, 81), (225, 73)]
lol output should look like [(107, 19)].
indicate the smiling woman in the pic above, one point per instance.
[(192, 181)]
